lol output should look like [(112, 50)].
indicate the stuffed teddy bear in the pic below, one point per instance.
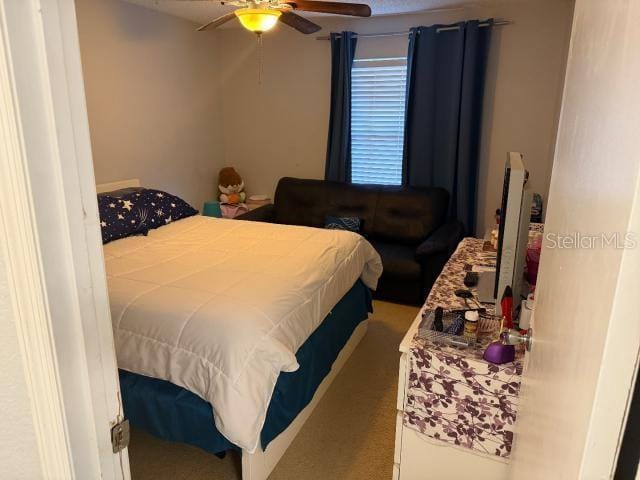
[(231, 186)]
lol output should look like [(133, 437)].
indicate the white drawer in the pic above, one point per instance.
[(422, 459)]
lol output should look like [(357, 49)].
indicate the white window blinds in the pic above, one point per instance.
[(377, 121)]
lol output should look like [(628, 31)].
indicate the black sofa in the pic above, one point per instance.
[(406, 226)]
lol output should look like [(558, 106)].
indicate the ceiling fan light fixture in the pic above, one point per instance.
[(258, 20)]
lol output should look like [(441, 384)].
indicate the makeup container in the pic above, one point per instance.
[(471, 318)]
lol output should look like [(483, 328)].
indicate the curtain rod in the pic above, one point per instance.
[(497, 23)]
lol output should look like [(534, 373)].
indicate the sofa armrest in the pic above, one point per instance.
[(260, 214), (443, 241)]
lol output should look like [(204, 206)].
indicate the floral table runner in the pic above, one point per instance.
[(454, 395)]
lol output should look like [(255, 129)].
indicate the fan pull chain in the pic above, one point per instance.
[(260, 61)]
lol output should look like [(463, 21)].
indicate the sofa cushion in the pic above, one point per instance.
[(309, 202), (397, 214), (409, 215), (401, 279), (300, 202), (398, 261), (344, 200)]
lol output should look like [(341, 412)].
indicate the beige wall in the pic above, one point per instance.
[(152, 97), (171, 107), (279, 127)]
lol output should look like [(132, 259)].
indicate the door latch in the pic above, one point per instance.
[(514, 337), (120, 436)]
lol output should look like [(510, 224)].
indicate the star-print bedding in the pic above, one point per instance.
[(138, 212), (220, 306)]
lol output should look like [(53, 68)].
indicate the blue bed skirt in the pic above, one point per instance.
[(175, 414)]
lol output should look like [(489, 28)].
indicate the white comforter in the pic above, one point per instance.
[(220, 307)]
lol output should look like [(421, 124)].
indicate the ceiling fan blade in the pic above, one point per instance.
[(218, 21), (353, 9), (299, 23)]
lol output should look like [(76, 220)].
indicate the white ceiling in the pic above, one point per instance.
[(202, 11)]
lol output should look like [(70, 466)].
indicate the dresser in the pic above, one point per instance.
[(456, 412)]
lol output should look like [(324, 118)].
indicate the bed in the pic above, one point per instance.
[(237, 326)]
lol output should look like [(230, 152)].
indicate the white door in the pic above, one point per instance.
[(50, 240), (587, 319)]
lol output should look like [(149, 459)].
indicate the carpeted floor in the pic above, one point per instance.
[(350, 435)]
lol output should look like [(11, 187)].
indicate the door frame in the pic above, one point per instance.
[(50, 236), (619, 361)]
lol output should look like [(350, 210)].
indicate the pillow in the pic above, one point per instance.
[(119, 218), (351, 224), (160, 208), (137, 212)]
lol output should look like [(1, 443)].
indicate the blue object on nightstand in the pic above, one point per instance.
[(212, 209)]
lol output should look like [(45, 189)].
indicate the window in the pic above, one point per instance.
[(377, 121)]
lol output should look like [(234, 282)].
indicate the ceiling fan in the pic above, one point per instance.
[(260, 16)]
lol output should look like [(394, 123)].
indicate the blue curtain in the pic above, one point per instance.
[(445, 84), (338, 166)]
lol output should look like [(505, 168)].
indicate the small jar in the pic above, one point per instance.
[(471, 318)]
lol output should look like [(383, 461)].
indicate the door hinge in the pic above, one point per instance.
[(120, 436)]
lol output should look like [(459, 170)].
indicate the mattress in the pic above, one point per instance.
[(219, 307), (177, 415)]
